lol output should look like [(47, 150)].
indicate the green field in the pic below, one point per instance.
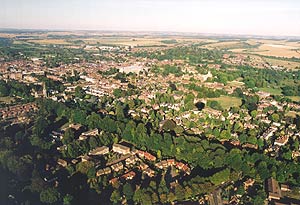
[(295, 98), (292, 114), (272, 91), (227, 101), (7, 99)]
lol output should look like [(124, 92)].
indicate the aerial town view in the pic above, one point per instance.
[(150, 102)]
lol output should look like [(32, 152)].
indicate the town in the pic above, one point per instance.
[(182, 122)]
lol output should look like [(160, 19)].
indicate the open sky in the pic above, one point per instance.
[(261, 17)]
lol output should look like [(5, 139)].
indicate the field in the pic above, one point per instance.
[(282, 63), (50, 41), (292, 114), (235, 83), (272, 91), (276, 48), (295, 98), (227, 102), (6, 99)]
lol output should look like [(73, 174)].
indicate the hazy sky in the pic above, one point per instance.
[(263, 17)]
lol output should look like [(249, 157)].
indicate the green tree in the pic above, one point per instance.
[(68, 136), (79, 92), (49, 196), (68, 199), (128, 191)]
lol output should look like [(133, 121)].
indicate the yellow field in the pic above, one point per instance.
[(282, 63), (292, 114), (50, 41), (278, 50), (222, 45)]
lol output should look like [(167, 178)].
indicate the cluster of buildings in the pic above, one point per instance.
[(18, 112), (125, 159)]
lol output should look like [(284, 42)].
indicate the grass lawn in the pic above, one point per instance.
[(7, 99), (272, 91), (295, 98), (235, 83), (227, 101), (292, 114)]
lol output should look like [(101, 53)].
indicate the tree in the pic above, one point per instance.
[(115, 197), (128, 191), (220, 177), (4, 91), (68, 199), (68, 136), (200, 105), (49, 196), (79, 92), (253, 113), (275, 117), (119, 112)]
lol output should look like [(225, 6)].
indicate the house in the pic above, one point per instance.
[(75, 126), (295, 154), (162, 164), (62, 162), (128, 175), (85, 158), (281, 141), (117, 167), (171, 162), (269, 132), (143, 166), (273, 189), (251, 146), (248, 183), (146, 155), (113, 180), (285, 187), (106, 170), (131, 160), (149, 172), (183, 167), (121, 149), (93, 132), (99, 151)]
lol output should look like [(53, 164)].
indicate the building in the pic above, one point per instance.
[(146, 155), (117, 167), (128, 175), (93, 132), (121, 149), (106, 170), (285, 187), (131, 160), (62, 162), (149, 172), (273, 189), (99, 151), (281, 140), (162, 164)]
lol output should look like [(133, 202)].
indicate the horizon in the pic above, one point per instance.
[(149, 32), (232, 17)]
